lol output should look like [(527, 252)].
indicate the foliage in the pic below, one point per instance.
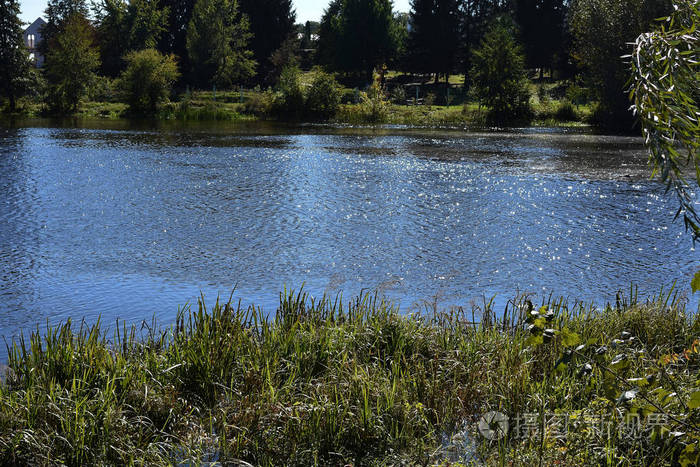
[(71, 64), (174, 39), (542, 29), (112, 35), (289, 97), (271, 24), (57, 13), (374, 107), (259, 103), (499, 75), (124, 27), (147, 79), (639, 382), (16, 74), (331, 382), (286, 55), (577, 94), (146, 22), (323, 96), (397, 95), (101, 89), (399, 60), (357, 36), (566, 112), (433, 40), (217, 41), (666, 67), (602, 31), (477, 16)]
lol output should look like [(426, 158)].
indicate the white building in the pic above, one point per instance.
[(32, 38)]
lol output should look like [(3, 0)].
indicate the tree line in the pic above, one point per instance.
[(224, 43)]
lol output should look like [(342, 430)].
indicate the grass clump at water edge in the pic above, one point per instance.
[(327, 382)]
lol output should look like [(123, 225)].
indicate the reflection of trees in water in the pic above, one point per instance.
[(582, 155)]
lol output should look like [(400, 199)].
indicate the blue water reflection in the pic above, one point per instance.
[(128, 224)]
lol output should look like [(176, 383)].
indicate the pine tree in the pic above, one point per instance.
[(499, 74), (174, 39), (357, 35), (541, 24), (420, 37), (217, 44), (434, 36), (477, 15), (15, 66), (271, 23)]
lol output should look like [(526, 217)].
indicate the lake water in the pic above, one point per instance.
[(130, 222)]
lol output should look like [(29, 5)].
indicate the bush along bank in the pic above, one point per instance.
[(314, 96), (326, 382)]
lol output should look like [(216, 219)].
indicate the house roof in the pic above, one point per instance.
[(39, 22)]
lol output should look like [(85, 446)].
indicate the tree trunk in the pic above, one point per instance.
[(13, 102)]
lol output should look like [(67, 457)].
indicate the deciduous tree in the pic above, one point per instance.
[(71, 63), (112, 34), (57, 12), (666, 93), (148, 79), (602, 31)]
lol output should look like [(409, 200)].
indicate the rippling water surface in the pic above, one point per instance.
[(132, 223)]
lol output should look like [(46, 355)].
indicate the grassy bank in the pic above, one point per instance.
[(320, 382), (550, 113), (253, 105)]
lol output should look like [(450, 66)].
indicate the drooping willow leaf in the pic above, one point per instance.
[(666, 95)]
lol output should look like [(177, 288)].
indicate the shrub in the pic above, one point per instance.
[(350, 97), (373, 105), (323, 97), (566, 112), (289, 99), (147, 80), (577, 95), (499, 75), (101, 89), (259, 103), (429, 99), (397, 95)]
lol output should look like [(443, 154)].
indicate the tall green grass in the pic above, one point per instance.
[(323, 381)]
